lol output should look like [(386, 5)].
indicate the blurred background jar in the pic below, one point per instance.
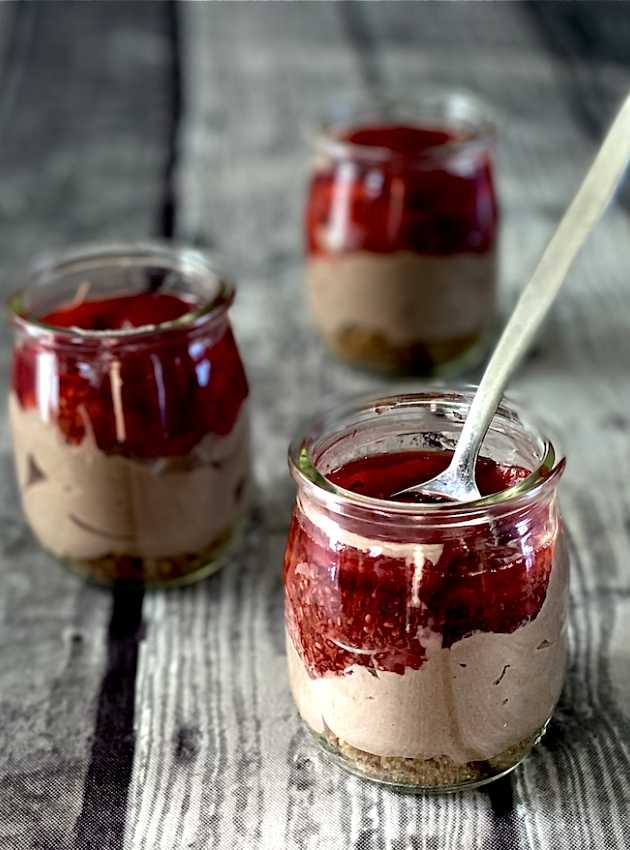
[(128, 412), (401, 234)]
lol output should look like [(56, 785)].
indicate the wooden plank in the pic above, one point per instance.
[(221, 759), (75, 163)]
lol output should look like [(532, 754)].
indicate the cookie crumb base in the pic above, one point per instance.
[(416, 775), (155, 572), (370, 349)]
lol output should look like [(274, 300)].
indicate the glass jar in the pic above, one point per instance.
[(128, 412), (401, 234), (426, 643)]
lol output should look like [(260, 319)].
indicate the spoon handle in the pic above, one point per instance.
[(586, 208)]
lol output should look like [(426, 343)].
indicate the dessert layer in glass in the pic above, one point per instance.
[(131, 449), (432, 658), (401, 231)]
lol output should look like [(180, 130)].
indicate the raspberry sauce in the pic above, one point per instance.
[(381, 475), (157, 396), (366, 606), (419, 198), (118, 313)]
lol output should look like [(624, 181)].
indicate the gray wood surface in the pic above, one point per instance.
[(214, 755)]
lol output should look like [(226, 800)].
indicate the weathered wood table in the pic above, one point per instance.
[(163, 721)]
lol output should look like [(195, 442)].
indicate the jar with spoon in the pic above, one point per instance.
[(426, 642)]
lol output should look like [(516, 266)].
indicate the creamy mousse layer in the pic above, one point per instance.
[(470, 702), (405, 297), (85, 504)]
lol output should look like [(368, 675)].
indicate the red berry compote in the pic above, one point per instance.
[(426, 643), (128, 413)]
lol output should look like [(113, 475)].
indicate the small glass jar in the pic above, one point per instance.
[(426, 643), (128, 412), (401, 234)]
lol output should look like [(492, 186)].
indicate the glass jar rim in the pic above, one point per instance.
[(304, 469), (468, 109), (179, 258)]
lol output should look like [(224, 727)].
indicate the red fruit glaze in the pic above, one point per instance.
[(401, 139), (490, 578), (381, 475), (413, 200), (175, 386), (124, 311)]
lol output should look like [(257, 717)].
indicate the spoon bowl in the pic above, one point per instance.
[(448, 486)]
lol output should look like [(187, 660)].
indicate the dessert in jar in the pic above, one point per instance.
[(401, 234), (128, 412), (426, 643)]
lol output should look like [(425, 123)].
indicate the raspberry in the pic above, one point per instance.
[(399, 205), (348, 606), (147, 400)]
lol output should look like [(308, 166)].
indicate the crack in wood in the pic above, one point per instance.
[(101, 823)]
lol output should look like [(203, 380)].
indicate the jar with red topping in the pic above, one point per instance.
[(427, 643), (401, 234), (128, 412)]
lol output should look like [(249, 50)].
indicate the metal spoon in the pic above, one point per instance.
[(457, 482)]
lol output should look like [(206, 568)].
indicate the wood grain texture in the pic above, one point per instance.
[(221, 759), (76, 163)]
